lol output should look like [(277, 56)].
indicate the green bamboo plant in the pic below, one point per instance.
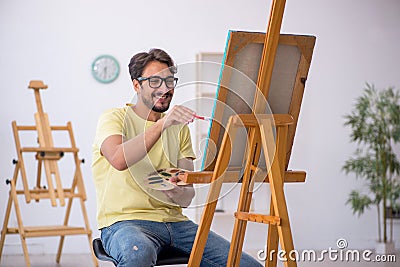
[(375, 125)]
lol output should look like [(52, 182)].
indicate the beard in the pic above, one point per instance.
[(160, 109), (151, 104)]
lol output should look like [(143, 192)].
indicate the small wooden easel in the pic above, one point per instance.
[(48, 156)]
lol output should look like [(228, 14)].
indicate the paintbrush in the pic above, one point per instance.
[(202, 118)]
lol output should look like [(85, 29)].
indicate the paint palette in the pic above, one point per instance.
[(159, 180)]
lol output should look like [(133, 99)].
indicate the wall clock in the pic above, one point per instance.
[(105, 69)]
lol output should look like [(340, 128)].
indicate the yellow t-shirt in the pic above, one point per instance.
[(121, 195)]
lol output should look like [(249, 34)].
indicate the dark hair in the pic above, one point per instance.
[(139, 61)]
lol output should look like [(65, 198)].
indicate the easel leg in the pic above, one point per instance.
[(85, 217), (205, 224), (5, 224), (21, 231), (272, 242), (277, 194), (239, 232), (66, 219), (60, 245), (284, 231), (245, 198)]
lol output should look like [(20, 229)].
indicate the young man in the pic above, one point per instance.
[(136, 221)]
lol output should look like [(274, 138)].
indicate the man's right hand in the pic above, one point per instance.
[(178, 115)]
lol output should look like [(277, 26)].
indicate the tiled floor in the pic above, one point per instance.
[(83, 260)]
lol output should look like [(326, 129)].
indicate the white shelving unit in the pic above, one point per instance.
[(208, 66)]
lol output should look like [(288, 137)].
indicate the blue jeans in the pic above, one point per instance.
[(136, 243)]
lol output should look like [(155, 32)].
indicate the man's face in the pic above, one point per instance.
[(156, 99)]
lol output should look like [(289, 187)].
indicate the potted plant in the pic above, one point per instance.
[(375, 127)]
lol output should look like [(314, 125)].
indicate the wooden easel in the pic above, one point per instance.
[(260, 129), (48, 156), (276, 155)]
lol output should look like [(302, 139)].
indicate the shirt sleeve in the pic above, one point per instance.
[(110, 123), (186, 149)]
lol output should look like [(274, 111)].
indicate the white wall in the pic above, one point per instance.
[(56, 41)]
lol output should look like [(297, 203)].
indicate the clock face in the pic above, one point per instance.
[(105, 69)]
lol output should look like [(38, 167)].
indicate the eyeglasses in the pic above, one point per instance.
[(156, 81)]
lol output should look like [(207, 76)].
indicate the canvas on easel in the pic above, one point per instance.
[(243, 54), (285, 96)]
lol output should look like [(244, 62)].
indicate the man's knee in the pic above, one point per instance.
[(138, 255)]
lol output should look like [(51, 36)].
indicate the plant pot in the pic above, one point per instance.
[(385, 248)]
